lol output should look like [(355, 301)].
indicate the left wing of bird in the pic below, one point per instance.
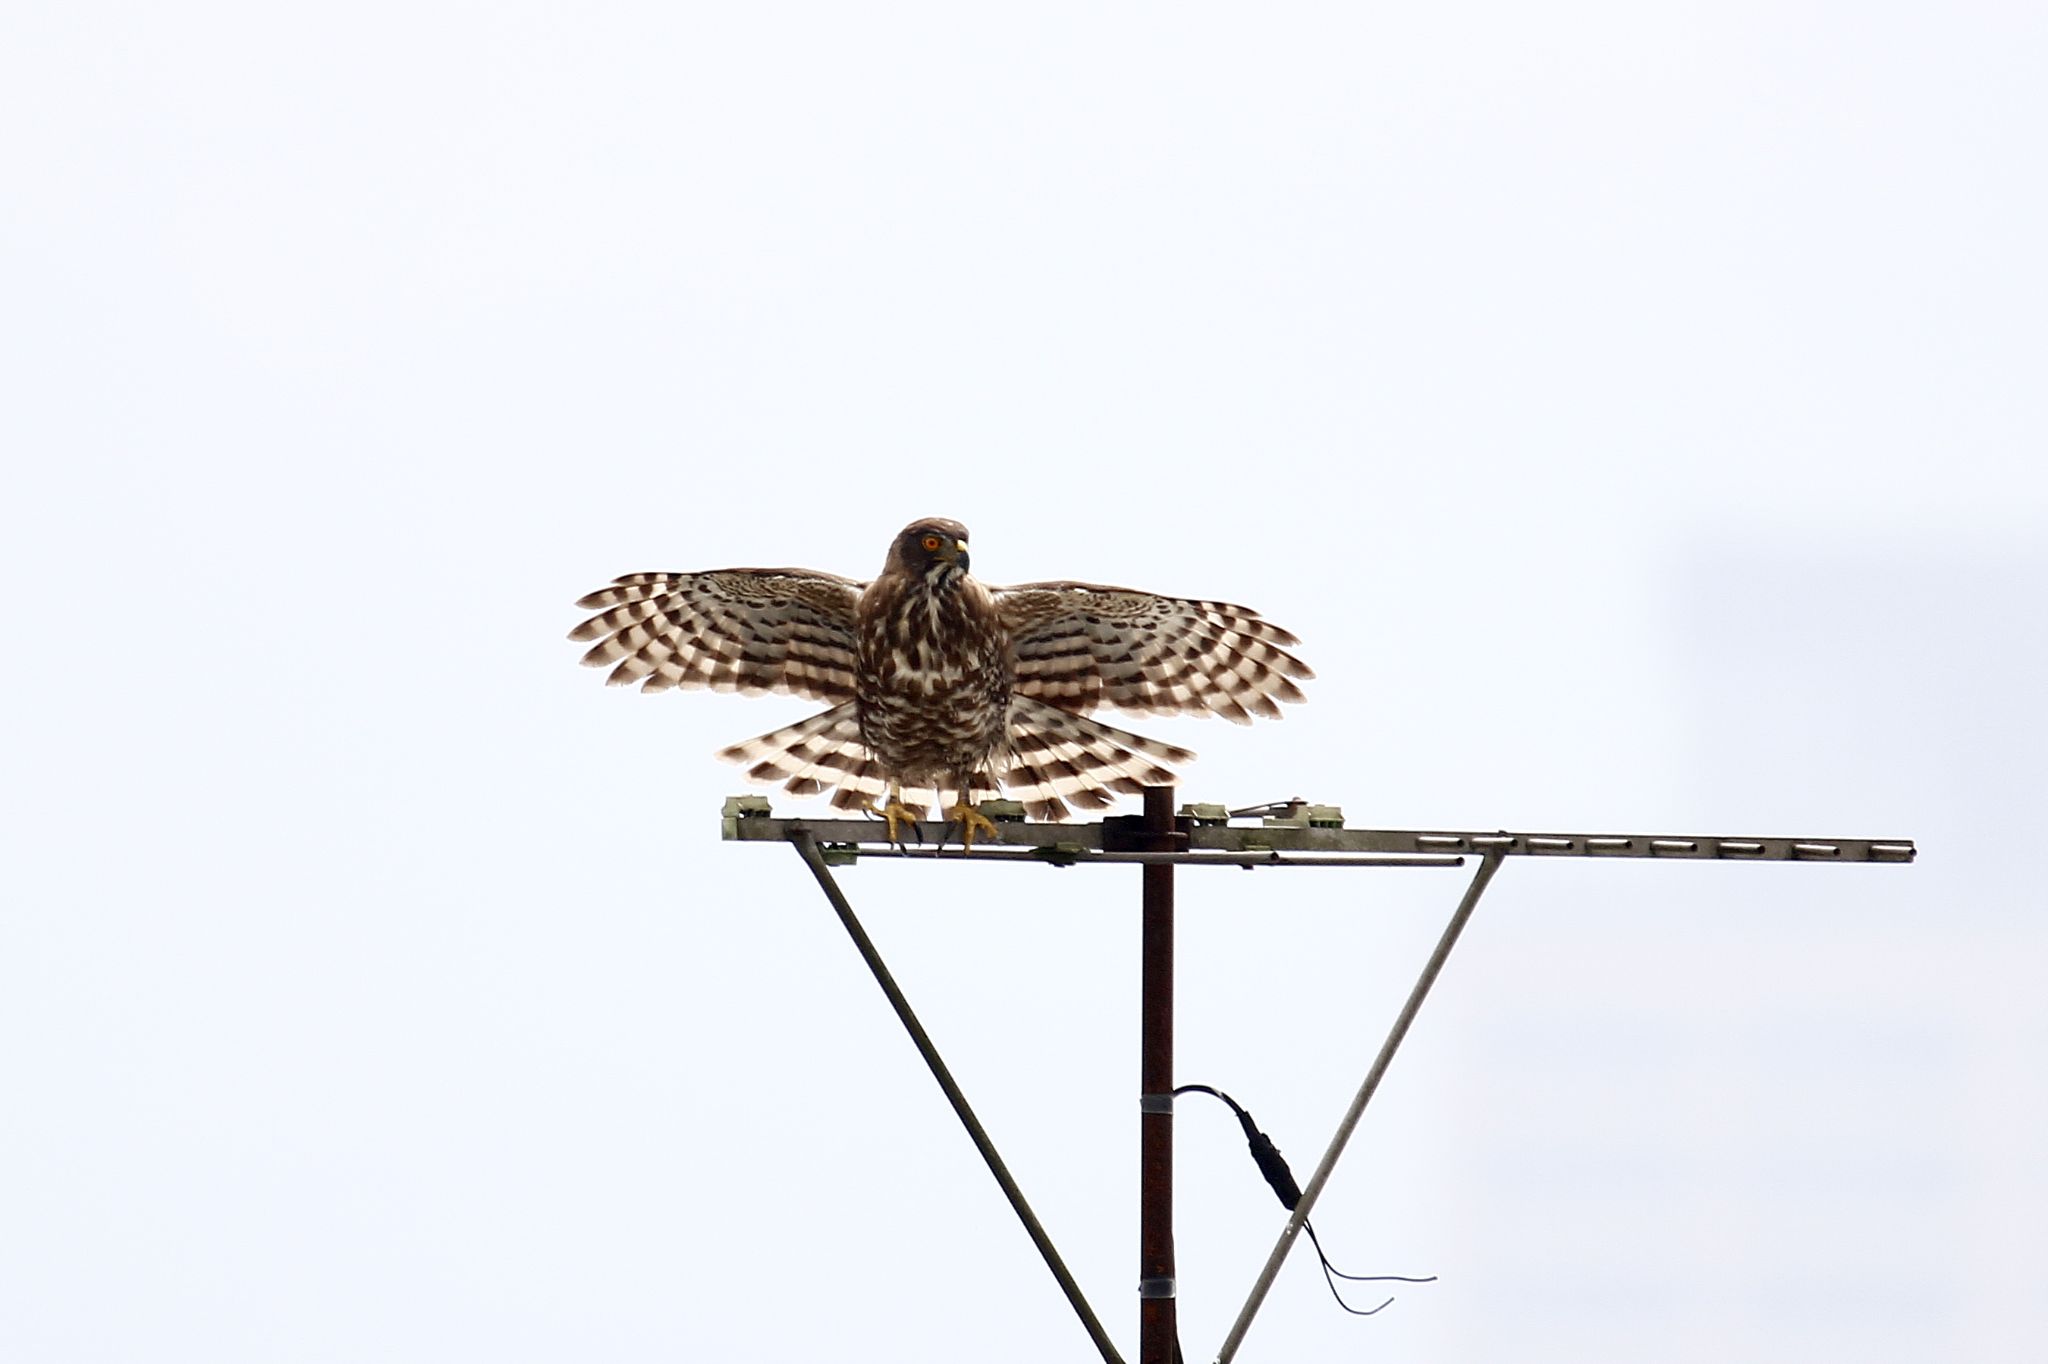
[(1082, 645)]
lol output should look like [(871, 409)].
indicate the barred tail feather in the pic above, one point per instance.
[(1055, 756), (1055, 753), (815, 755)]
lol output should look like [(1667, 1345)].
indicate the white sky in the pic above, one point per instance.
[(1638, 411)]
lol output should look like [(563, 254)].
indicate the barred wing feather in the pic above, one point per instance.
[(736, 629), (1080, 645)]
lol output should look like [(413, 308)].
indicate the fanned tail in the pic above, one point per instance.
[(1055, 753), (1055, 757)]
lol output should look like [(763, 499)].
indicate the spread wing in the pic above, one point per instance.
[(1080, 646), (734, 629)]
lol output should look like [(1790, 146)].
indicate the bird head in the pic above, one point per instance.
[(931, 545)]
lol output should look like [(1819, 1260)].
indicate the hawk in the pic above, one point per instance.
[(937, 681)]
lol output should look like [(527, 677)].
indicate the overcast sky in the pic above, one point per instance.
[(1636, 410)]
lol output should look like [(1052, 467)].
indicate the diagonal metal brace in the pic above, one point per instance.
[(1487, 867), (807, 848)]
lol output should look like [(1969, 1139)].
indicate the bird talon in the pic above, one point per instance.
[(895, 813), (971, 821)]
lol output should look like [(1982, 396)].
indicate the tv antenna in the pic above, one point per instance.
[(1287, 834)]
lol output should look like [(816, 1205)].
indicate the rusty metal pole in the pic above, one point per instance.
[(1156, 1318)]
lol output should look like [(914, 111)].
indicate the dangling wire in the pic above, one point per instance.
[(1274, 1167), (1329, 1270)]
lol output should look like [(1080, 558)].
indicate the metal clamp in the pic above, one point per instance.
[(1155, 1288)]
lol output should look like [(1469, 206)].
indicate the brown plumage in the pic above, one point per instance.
[(937, 681)]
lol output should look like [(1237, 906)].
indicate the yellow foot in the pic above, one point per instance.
[(895, 813), (970, 821)]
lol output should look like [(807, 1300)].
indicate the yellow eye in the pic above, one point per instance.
[(931, 544)]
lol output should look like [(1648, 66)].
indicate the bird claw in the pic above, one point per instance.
[(970, 822), (895, 813)]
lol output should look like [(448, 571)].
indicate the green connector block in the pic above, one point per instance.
[(737, 808), (1301, 815)]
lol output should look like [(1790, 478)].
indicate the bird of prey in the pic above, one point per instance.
[(936, 681)]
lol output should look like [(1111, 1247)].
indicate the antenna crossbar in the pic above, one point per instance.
[(1268, 837)]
